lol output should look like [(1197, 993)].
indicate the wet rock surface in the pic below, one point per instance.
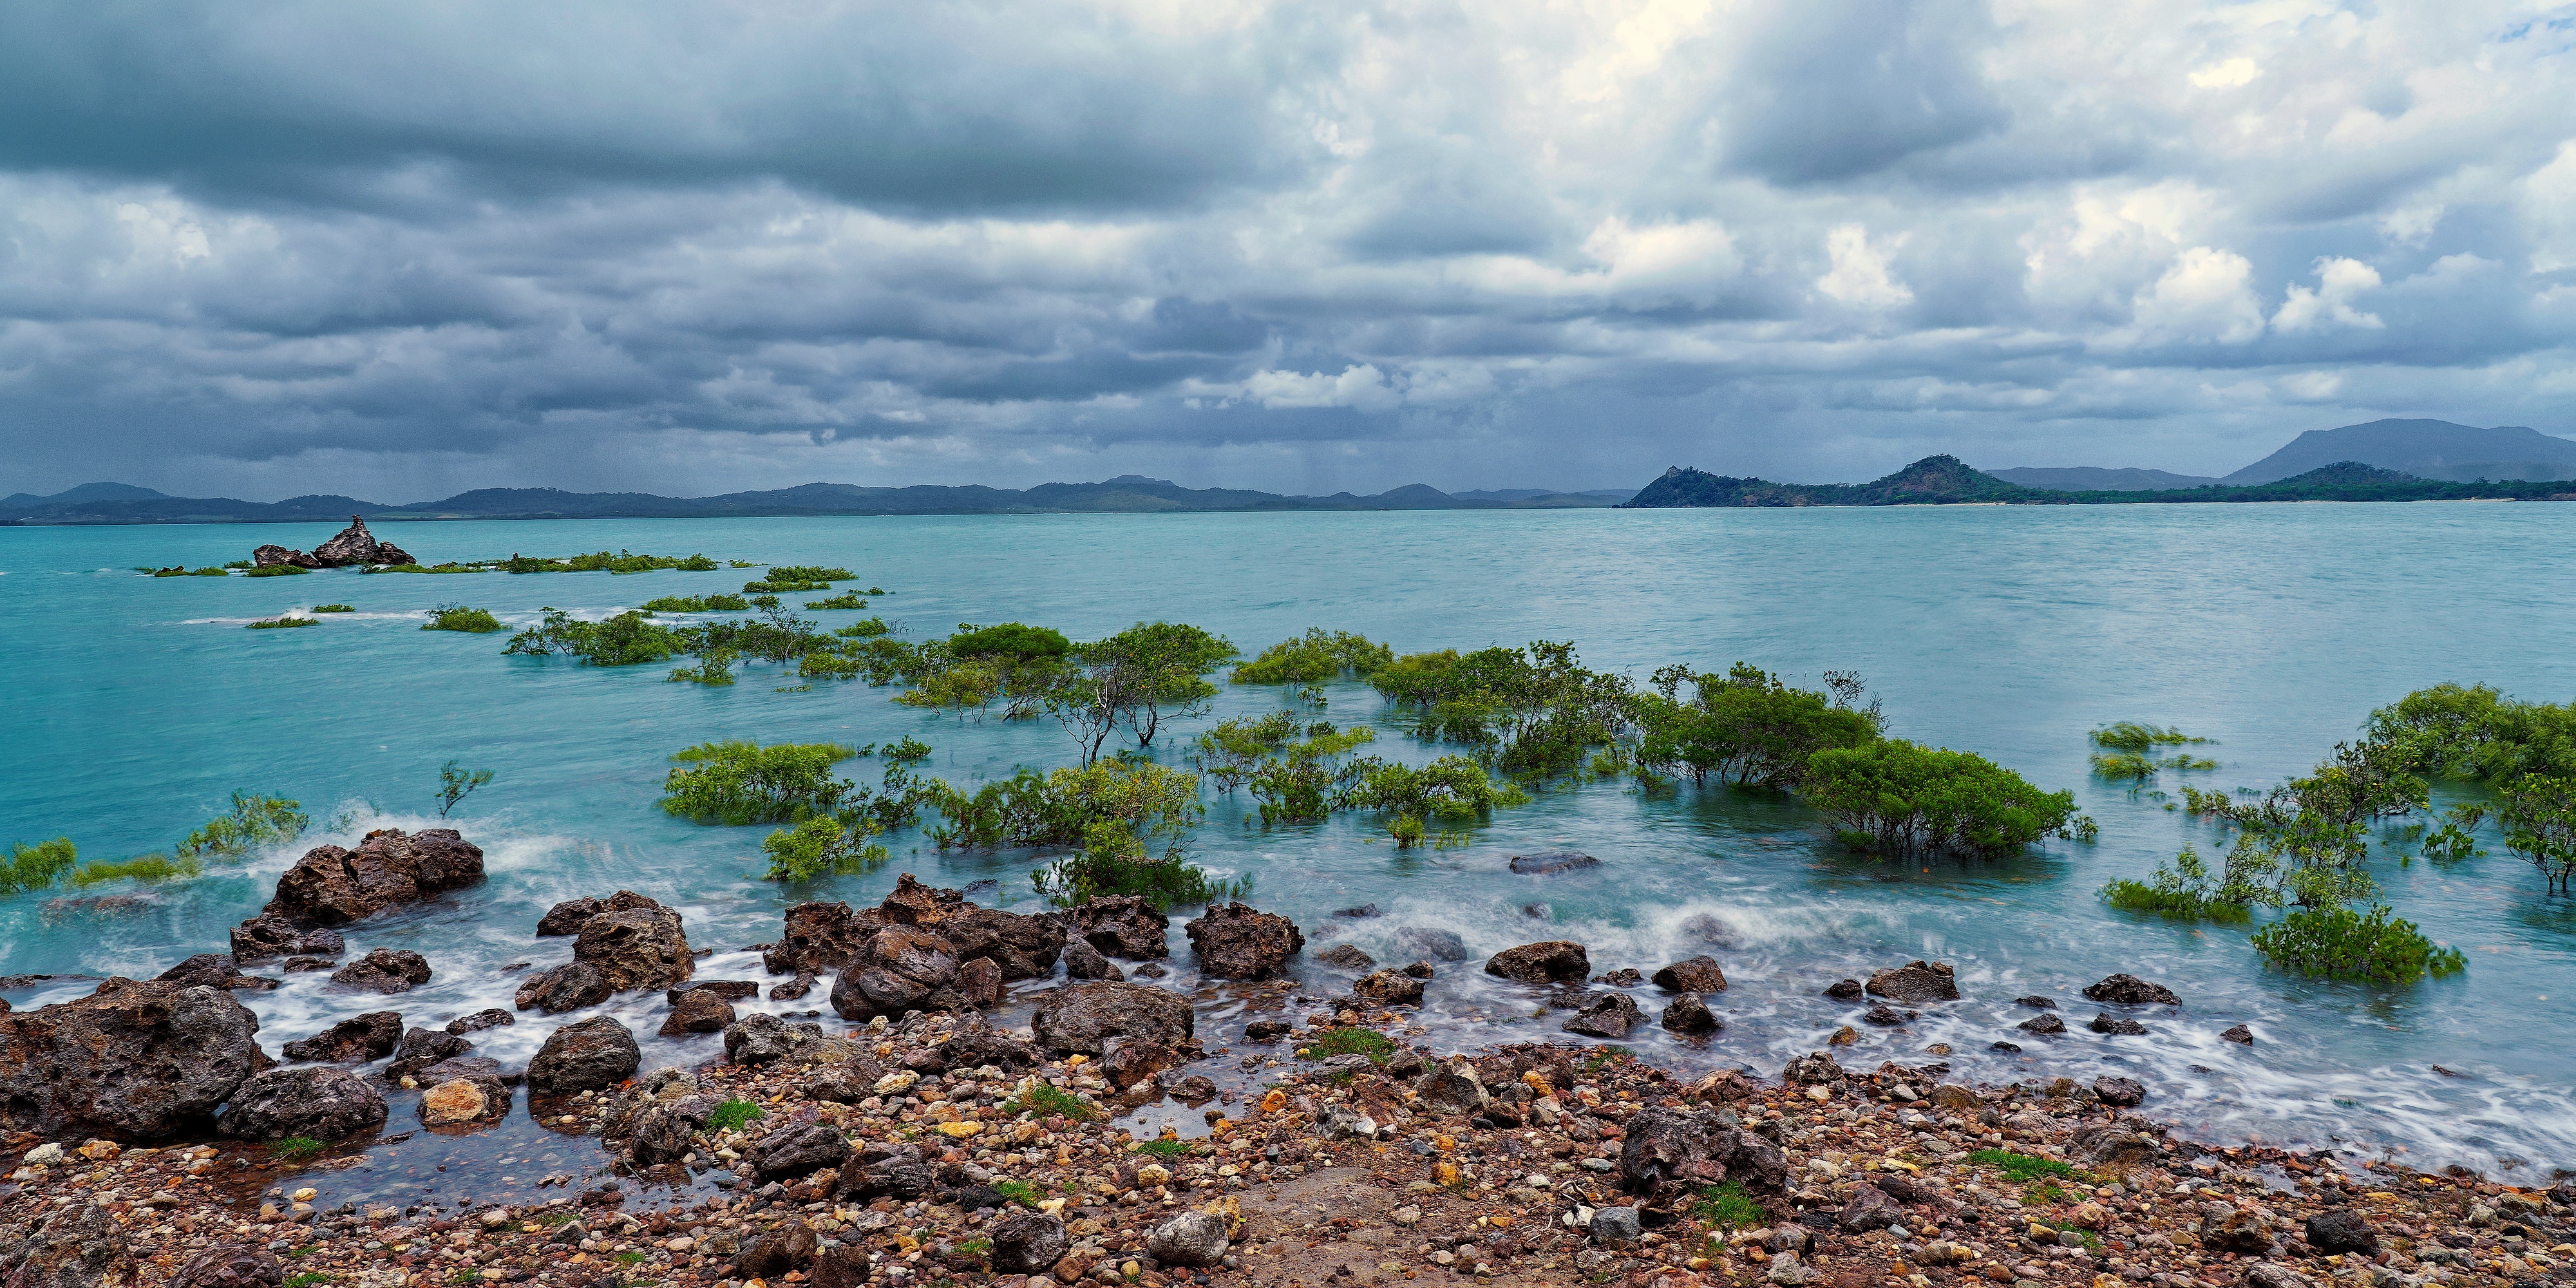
[(1553, 962), (1123, 926), (385, 970), (268, 936), (320, 1103), (2129, 990), (587, 1056), (356, 1040), (1237, 941), (214, 970), (1080, 1017), (1693, 975), (133, 1061), (634, 942), (697, 1010), (331, 886), (568, 987), (1532, 865), (1916, 982)]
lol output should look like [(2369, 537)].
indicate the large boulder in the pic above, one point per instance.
[(269, 936), (1916, 981), (355, 1040), (1812, 1069), (1430, 942), (1080, 1017), (1028, 1243), (1082, 961), (464, 1103), (231, 1266), (798, 1150), (886, 1171), (763, 1038), (214, 970), (1610, 1015), (1190, 1239), (566, 917), (352, 545), (1556, 961), (270, 556), (772, 1255), (1238, 941), (697, 1010), (1689, 1016), (595, 1053), (635, 943), (1388, 988), (899, 969), (568, 987), (76, 1246), (1668, 1151), (132, 1061), (819, 937), (1539, 865), (1695, 975), (2129, 990), (322, 1103), (1123, 925), (421, 1048), (1023, 947), (330, 886), (1869, 1208), (386, 970), (2342, 1229)]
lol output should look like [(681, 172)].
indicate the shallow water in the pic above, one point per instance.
[(141, 704)]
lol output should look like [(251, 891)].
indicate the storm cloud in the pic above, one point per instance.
[(264, 247)]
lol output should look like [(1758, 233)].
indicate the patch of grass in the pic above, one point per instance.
[(458, 617), (846, 600), (331, 608), (1368, 1042), (277, 570), (1600, 1060), (630, 1258), (717, 603), (1163, 1148), (149, 867), (975, 1247), (2044, 1192), (464, 1277), (2019, 1167), (1038, 1097), (188, 572), (1727, 1205), (307, 1278), (733, 1115), (280, 623), (555, 1217), (1020, 1192), (295, 1149)]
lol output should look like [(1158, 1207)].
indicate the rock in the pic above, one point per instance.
[(1553, 962), (979, 1045), (356, 1040), (1266, 1030), (1610, 1015), (1421, 970), (1388, 988), (214, 970), (457, 1102), (844, 1084), (762, 1038), (819, 938), (1082, 961), (2106, 1024), (2042, 1003), (130, 1062), (2129, 990), (1690, 1016), (1814, 1068), (1190, 1239), (636, 943), (1884, 1016), (330, 886), (800, 1150), (2011, 1048), (568, 987), (1361, 912), (2112, 1145), (1538, 910), (1028, 1243), (272, 555), (660, 1135), (2240, 1035), (1616, 1225), (267, 936), (1869, 1208), (1668, 1151), (1916, 982), (697, 1011), (728, 989), (1433, 943), (1695, 975), (1710, 930), (1346, 956), (1787, 1271), (1341, 1122), (1952, 1098), (2272, 1274), (896, 1171), (386, 970), (980, 982), (1077, 1018), (325, 1104), (2119, 1092), (1135, 1062), (230, 1266), (79, 1246), (418, 1049), (1453, 1087), (2342, 1230), (1847, 990), (1844, 1036), (1241, 942), (789, 1247), (899, 969), (2242, 1231), (2047, 1025), (565, 918), (1533, 865), (1023, 947), (1123, 925), (587, 1056), (351, 546)]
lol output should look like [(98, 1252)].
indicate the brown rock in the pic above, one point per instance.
[(386, 970), (899, 969), (1554, 962), (355, 1040), (267, 936), (331, 886), (565, 918), (697, 1011), (1916, 982), (2129, 990), (1123, 925), (231, 1266), (595, 1053), (132, 1061), (1388, 988), (460, 1101), (1238, 941), (637, 943), (1135, 1062), (214, 970), (568, 987), (1610, 1015), (1080, 1017), (1690, 1016), (980, 982), (1695, 975), (79, 1246), (322, 1103)]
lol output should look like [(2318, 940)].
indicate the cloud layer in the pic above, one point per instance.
[(273, 246)]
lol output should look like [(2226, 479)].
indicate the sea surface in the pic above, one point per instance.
[(139, 704)]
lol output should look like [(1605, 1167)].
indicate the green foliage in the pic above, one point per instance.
[(254, 821), (734, 1115), (820, 845), (2128, 735), (717, 603), (807, 573), (602, 561), (1530, 712), (1135, 678), (774, 635), (849, 600), (281, 623), (1045, 1099), (1452, 789), (307, 1279), (296, 1149), (715, 669), (327, 608), (149, 867), (444, 569), (1901, 798), (277, 570), (1020, 1192), (1306, 781), (1231, 752), (2480, 734), (741, 782), (1163, 1148), (239, 563), (458, 617), (867, 630), (2539, 818), (1315, 657), (1378, 1047), (624, 640), (2186, 891), (2339, 943), (1747, 726), (2453, 842), (2019, 1167), (186, 572), (455, 784), (1407, 830), (35, 865), (1727, 1206)]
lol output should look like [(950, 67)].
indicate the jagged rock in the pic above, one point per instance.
[(1266, 1030), (900, 969), (2112, 1145), (1388, 988), (1028, 1243), (1610, 1015), (352, 545), (1815, 1067), (459, 1102), (762, 1038), (1453, 1087), (1667, 1150), (1082, 961), (565, 918), (1433, 943), (1190, 1239), (1869, 1208), (330, 886), (980, 982), (2129, 990), (1553, 962), (1884, 1016), (636, 943), (268, 936), (2242, 1231), (78, 1246), (270, 556), (697, 1011), (1421, 970), (914, 904), (2342, 1230), (1695, 975), (789, 1247), (2037, 1002), (1123, 925), (2240, 1035), (325, 1104), (356, 1040), (819, 937), (2047, 1024), (386, 970), (2106, 1023), (421, 1048), (568, 987), (214, 970), (1079, 1017), (2119, 1092), (1616, 1226), (729, 990), (1135, 1062), (1533, 865), (844, 1084), (1238, 941), (1916, 982), (1023, 947), (132, 1061), (1346, 956), (1689, 1015), (231, 1266), (895, 1171), (798, 1150), (587, 1056), (1845, 990)]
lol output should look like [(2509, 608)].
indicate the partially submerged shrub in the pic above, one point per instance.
[(717, 603), (1903, 798), (821, 845), (842, 602), (35, 865), (280, 623), (2339, 943), (458, 617), (331, 608), (277, 570), (740, 782), (2186, 890), (624, 640), (255, 820), (1315, 657)]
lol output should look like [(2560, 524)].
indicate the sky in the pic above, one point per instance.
[(263, 248)]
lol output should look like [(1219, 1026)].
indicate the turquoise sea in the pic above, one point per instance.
[(140, 704)]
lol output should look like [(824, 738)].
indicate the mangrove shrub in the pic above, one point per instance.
[(458, 617), (624, 640), (1895, 797), (2339, 943), (740, 782), (1315, 657), (822, 845)]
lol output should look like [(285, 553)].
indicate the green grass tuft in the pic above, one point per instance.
[(296, 1149), (1163, 1148), (332, 608), (458, 617), (1727, 1205), (733, 1115), (307, 1279), (277, 570), (2019, 1167), (1020, 1192), (1042, 1098), (1368, 1042), (280, 623)]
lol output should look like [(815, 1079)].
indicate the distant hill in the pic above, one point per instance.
[(2431, 449), (1945, 480), (1607, 496), (1126, 494), (2094, 478)]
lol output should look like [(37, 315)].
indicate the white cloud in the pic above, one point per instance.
[(2227, 75), (1362, 388), (2205, 295), (1859, 276), (2339, 281)]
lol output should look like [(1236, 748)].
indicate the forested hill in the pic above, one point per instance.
[(1945, 480)]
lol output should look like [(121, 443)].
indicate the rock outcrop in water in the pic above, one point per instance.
[(356, 1040), (587, 1056), (269, 936), (1123, 925), (924, 948), (352, 546), (1916, 981), (134, 1061), (331, 886), (1238, 941), (1556, 961), (322, 1103), (1081, 1017)]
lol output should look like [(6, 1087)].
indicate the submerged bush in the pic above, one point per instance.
[(849, 600), (189, 572), (624, 640), (1896, 797), (2130, 736), (33, 866), (2185, 890), (255, 820), (331, 608), (458, 617), (602, 561), (717, 603), (740, 783), (150, 867), (821, 845), (1315, 657), (788, 578), (277, 570), (2339, 943), (280, 623), (714, 669), (1747, 726)]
